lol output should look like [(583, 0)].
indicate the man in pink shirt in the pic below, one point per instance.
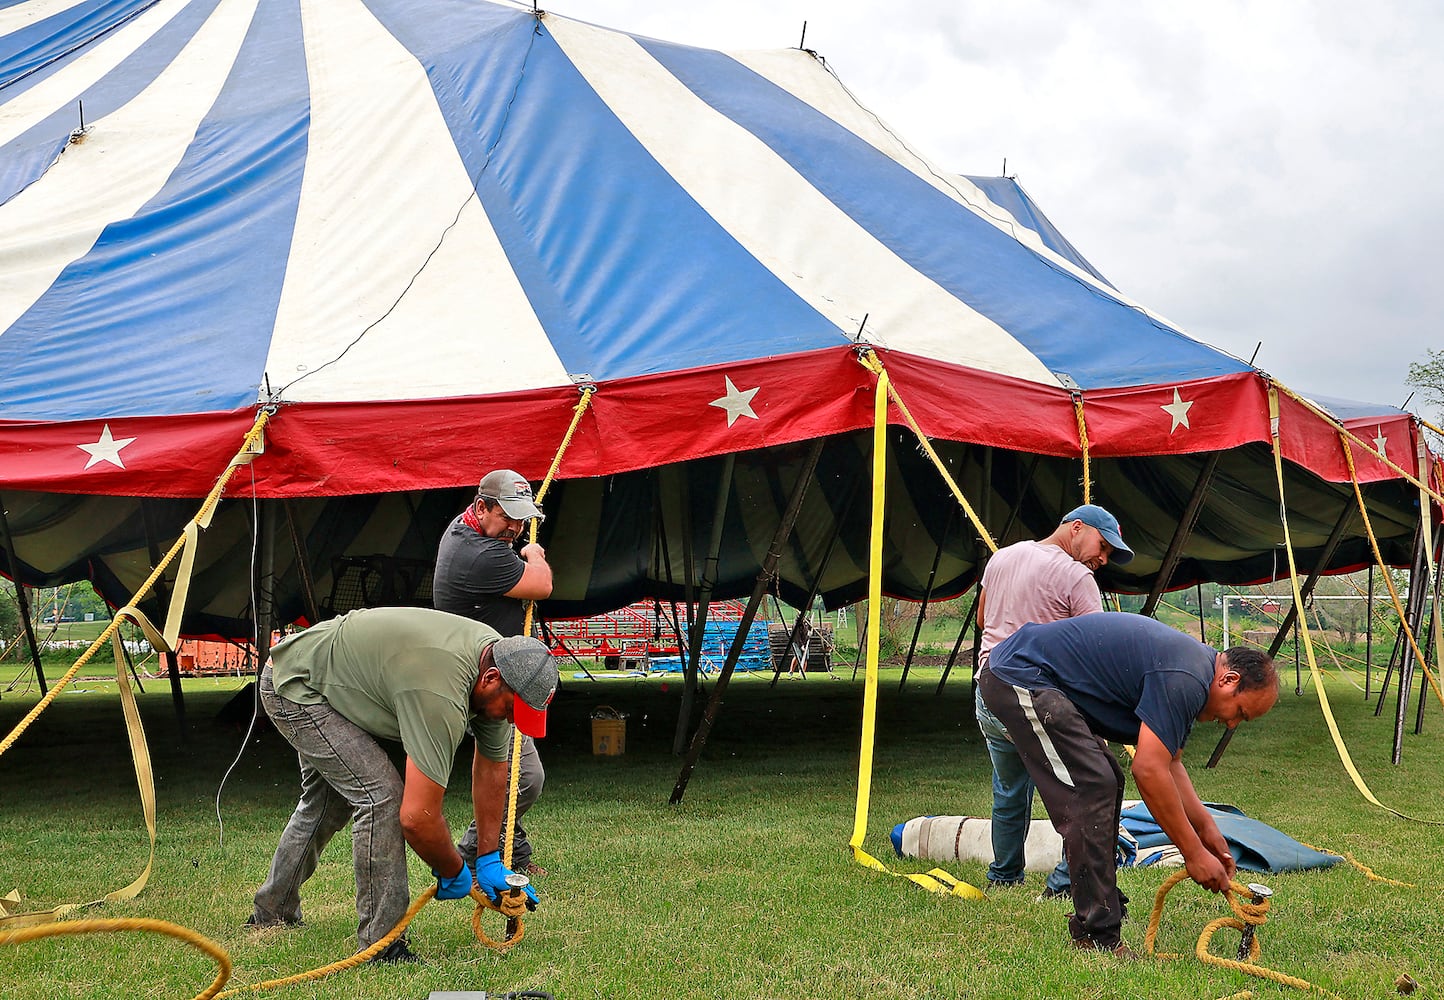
[(1040, 581)]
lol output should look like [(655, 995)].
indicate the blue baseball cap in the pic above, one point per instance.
[(1096, 517)]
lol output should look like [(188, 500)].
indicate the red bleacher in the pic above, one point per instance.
[(635, 632)]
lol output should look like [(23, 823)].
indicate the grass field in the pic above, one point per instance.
[(746, 889)]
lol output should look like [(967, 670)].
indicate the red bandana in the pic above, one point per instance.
[(469, 518)]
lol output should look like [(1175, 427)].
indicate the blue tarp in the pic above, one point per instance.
[(1256, 846)]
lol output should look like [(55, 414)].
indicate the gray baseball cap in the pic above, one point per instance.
[(527, 667), (513, 492)]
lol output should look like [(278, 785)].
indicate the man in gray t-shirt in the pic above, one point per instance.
[(481, 576), (1040, 581), (419, 677)]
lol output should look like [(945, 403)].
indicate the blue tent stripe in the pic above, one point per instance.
[(627, 272), (26, 158), (198, 269), (28, 50), (1070, 326), (1009, 195)]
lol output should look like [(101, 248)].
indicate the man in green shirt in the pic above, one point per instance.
[(422, 678)]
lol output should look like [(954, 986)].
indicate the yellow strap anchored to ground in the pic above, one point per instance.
[(936, 880), (1317, 678)]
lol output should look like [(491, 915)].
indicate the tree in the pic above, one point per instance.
[(1428, 377), (9, 614)]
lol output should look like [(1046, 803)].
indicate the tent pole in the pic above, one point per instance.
[(1429, 644), (1173, 555), (266, 584), (962, 632), (1291, 619), (1400, 645), (303, 563), (22, 602), (859, 627), (1368, 631), (794, 638), (1401, 648), (676, 622), (1330, 547), (698, 625), (759, 590), (983, 553), (1418, 593), (162, 597), (927, 596)]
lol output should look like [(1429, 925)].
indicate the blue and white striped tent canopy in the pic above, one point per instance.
[(414, 227)]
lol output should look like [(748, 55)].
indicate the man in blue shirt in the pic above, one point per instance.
[(1064, 688)]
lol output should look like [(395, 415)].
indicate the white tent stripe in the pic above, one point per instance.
[(822, 91), (813, 247), (32, 12), (123, 161), (408, 228)]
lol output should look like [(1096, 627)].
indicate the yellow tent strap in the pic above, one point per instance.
[(1384, 572), (1083, 443), (250, 447), (872, 363), (1318, 680), (185, 547), (511, 791), (936, 880)]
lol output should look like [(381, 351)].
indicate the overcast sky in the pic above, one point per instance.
[(1268, 171)]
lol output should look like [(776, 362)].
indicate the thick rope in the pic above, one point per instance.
[(1246, 914), (512, 788), (1083, 443), (509, 907), (872, 363)]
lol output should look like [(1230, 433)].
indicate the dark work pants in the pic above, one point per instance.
[(1081, 786)]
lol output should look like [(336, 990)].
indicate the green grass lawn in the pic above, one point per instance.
[(744, 890)]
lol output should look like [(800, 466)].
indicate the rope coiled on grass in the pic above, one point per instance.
[(509, 907), (1247, 914)]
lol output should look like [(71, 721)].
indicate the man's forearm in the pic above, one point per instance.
[(488, 800), (1161, 794)]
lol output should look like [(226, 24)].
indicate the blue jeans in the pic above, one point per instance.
[(1012, 806), (345, 777)]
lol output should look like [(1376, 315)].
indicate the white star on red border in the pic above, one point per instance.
[(737, 402), (1381, 442), (1178, 410), (107, 449)]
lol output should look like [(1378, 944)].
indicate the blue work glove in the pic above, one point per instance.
[(491, 876), (456, 887)]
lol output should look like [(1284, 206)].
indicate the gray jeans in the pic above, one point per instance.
[(345, 775), (528, 790)]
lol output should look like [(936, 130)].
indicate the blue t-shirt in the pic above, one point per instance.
[(1119, 669)]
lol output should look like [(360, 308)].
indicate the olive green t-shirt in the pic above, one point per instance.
[(400, 674)]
